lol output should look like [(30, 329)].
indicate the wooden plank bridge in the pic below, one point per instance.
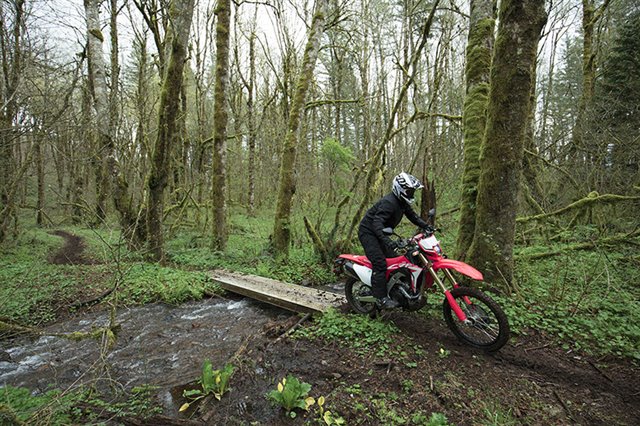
[(292, 297)]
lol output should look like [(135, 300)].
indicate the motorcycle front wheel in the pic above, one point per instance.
[(354, 289), (486, 327)]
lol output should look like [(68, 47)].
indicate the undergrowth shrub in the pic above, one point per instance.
[(588, 300), (19, 405), (145, 283), (359, 331)]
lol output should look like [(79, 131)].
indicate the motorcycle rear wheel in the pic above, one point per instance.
[(353, 289), (488, 328)]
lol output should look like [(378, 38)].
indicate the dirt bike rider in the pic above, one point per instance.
[(387, 213)]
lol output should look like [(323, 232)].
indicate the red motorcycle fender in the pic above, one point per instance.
[(355, 258), (461, 267)]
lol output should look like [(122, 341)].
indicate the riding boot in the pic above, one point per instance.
[(379, 289)]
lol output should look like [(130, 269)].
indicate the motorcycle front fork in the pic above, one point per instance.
[(447, 293)]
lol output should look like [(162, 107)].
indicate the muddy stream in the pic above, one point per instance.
[(158, 345)]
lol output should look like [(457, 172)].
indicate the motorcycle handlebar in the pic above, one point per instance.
[(402, 243)]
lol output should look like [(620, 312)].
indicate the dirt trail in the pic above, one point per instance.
[(72, 252)]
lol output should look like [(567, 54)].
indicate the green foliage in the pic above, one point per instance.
[(291, 393), (212, 381), (335, 154), (362, 333), (407, 385), (139, 402), (386, 414), (327, 416), (51, 407), (438, 419), (587, 299), (444, 353), (145, 283)]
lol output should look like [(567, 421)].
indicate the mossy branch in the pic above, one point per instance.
[(317, 241), (589, 245), (107, 333), (589, 201)]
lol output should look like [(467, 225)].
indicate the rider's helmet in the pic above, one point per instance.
[(404, 187)]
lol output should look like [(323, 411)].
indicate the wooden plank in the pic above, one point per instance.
[(288, 296)]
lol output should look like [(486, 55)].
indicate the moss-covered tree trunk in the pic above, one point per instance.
[(10, 74), (514, 63), (220, 118), (251, 118), (477, 73), (98, 81), (181, 13), (286, 187)]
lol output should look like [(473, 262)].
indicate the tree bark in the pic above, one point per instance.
[(97, 78), (220, 116), (12, 66), (477, 73), (40, 179), (512, 71), (286, 188), (590, 16), (251, 118), (181, 13)]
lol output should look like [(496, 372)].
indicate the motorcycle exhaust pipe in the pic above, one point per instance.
[(346, 267)]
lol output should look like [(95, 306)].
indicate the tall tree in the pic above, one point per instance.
[(251, 117), (477, 73), (181, 13), (513, 67), (286, 187), (12, 27), (98, 82), (220, 118), (590, 17)]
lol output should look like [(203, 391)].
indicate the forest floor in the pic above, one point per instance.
[(422, 370)]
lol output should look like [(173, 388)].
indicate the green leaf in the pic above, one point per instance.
[(207, 380), (192, 392)]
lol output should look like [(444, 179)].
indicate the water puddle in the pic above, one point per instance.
[(158, 344)]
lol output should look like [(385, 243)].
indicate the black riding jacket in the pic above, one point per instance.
[(387, 213)]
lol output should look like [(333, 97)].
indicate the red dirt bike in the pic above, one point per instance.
[(472, 316)]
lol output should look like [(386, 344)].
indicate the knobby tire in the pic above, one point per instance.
[(357, 306), (493, 332)]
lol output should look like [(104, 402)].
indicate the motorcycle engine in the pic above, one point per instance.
[(399, 287)]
